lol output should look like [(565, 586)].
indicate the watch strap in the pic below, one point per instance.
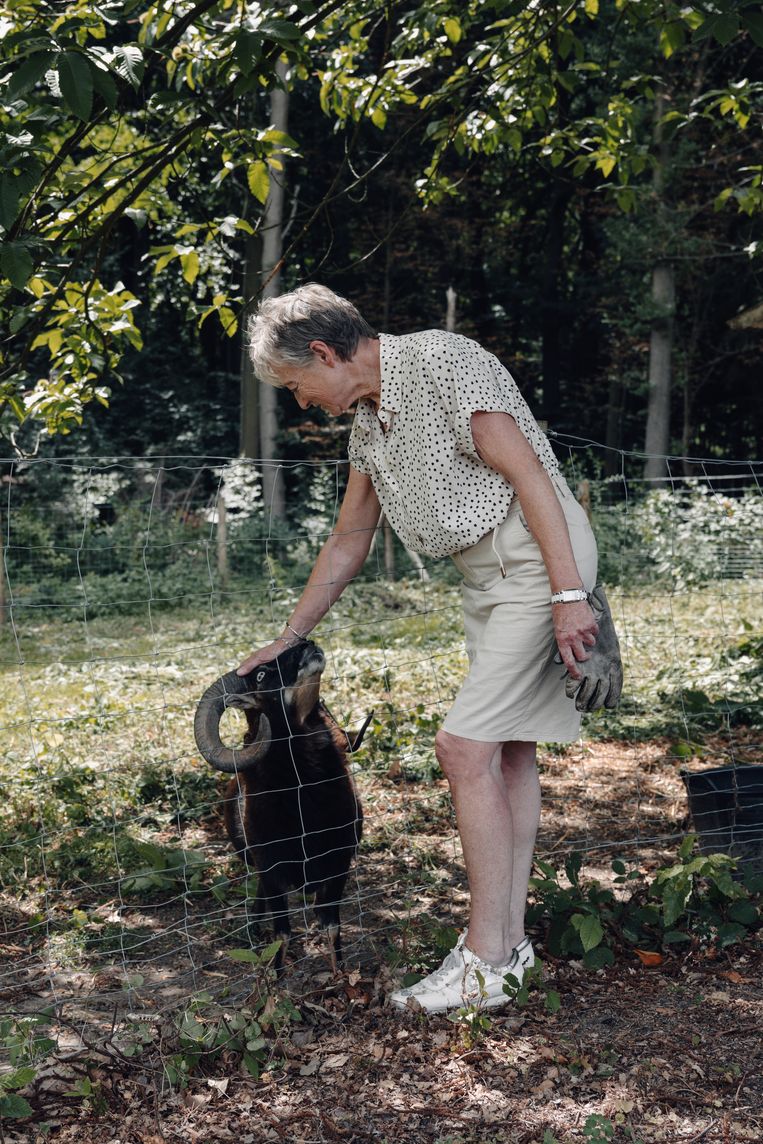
[(569, 596)]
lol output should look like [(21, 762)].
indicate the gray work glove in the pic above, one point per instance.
[(602, 672)]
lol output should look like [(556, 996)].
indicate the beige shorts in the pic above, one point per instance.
[(514, 690)]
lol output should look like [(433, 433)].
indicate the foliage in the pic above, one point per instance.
[(104, 109), (695, 899), (165, 868), (207, 1031), (25, 1041), (129, 189), (492, 77), (694, 535)]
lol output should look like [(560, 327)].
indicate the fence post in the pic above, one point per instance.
[(584, 496), (222, 542), (389, 549)]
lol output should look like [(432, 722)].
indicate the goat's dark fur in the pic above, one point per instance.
[(293, 815)]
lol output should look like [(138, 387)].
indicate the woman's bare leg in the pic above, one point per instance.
[(496, 795)]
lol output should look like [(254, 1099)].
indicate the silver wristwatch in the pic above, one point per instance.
[(569, 596)]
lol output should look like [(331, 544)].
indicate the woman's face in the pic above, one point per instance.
[(324, 382)]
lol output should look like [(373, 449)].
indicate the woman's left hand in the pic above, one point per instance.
[(575, 629)]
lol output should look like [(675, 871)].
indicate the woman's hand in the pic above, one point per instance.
[(575, 629), (264, 655)]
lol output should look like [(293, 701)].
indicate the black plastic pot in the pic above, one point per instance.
[(726, 804)]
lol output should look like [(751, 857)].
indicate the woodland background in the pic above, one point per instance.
[(585, 176)]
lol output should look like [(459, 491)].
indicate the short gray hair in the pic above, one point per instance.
[(281, 330)]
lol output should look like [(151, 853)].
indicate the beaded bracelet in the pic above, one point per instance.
[(295, 632)]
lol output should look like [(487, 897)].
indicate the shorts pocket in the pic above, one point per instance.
[(480, 579)]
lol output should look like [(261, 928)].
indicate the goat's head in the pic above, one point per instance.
[(278, 695)]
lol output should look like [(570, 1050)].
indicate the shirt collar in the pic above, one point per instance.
[(391, 393)]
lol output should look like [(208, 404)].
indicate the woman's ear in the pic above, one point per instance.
[(324, 352)]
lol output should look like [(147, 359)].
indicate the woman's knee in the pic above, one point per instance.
[(461, 758), (518, 756)]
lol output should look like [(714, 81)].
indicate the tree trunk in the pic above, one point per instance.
[(657, 443), (614, 432), (551, 323), (272, 246), (249, 426), (450, 315)]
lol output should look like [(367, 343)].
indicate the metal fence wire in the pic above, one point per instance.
[(130, 584)]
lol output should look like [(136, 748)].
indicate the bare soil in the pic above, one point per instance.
[(671, 1052)]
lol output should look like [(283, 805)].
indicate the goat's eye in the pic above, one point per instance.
[(260, 676)]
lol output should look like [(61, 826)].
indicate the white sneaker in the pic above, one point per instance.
[(455, 984), (452, 961), (526, 953)]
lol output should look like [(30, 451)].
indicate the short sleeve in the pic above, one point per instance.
[(469, 379), (355, 451)]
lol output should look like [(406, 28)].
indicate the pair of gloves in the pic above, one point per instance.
[(602, 673)]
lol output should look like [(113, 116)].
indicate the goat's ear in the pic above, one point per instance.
[(244, 702), (356, 741)]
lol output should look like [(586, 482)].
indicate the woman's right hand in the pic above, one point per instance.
[(263, 655)]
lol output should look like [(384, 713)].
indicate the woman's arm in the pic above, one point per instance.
[(338, 561), (502, 445)]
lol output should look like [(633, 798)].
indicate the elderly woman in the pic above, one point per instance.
[(446, 446)]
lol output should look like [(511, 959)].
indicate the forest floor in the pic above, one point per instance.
[(668, 1052)]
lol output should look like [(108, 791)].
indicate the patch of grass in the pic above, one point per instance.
[(101, 775)]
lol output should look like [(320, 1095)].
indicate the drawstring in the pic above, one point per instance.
[(495, 550)]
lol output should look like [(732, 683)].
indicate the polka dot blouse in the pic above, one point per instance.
[(439, 496)]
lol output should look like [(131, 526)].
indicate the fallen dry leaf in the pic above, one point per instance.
[(649, 957), (311, 1067), (737, 978), (336, 1060)]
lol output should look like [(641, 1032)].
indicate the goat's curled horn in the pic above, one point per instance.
[(230, 690)]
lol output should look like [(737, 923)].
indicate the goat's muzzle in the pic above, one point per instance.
[(230, 690)]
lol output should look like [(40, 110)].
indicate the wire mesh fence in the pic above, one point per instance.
[(131, 584)]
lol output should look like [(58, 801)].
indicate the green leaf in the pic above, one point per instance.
[(674, 902), (258, 178), (573, 866), (744, 912), (687, 846), (248, 50), (248, 955), (753, 22), (279, 30), (553, 1001), (190, 265), (16, 264), (18, 1078), (672, 37), (730, 933), (32, 69), (76, 81), (591, 932), (598, 958), (15, 1107), (722, 28), (9, 201), (104, 84), (453, 30), (130, 64), (674, 936)]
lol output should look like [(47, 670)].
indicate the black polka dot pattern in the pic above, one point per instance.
[(439, 496)]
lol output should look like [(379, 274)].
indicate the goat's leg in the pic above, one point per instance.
[(328, 895), (271, 897)]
